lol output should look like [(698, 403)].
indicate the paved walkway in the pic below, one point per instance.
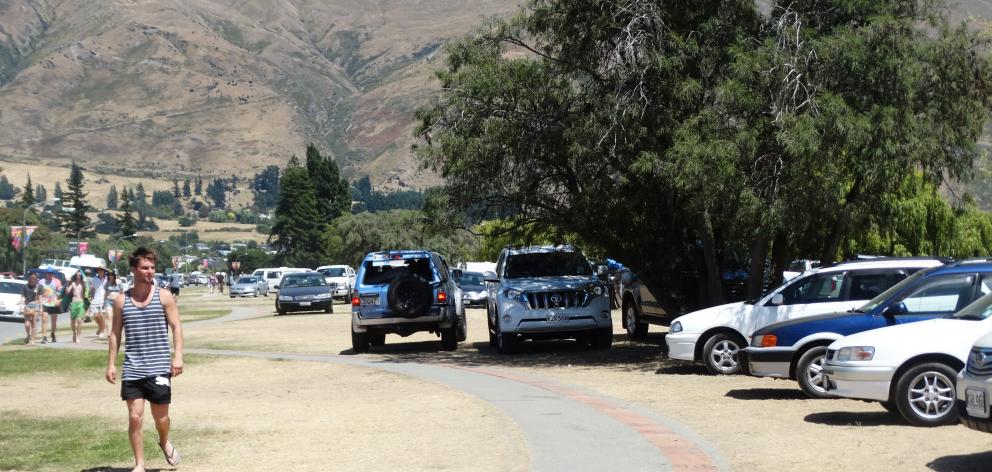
[(565, 427)]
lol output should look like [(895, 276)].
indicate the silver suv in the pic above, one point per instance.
[(547, 292)]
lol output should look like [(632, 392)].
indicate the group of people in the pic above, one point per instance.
[(85, 298), (216, 281)]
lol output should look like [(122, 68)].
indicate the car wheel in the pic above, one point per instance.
[(722, 354), (602, 338), (449, 337), (925, 395), (890, 407), (330, 308), (809, 373), (360, 342), (377, 339), (506, 343), (280, 310), (463, 328), (255, 295), (492, 331), (635, 329)]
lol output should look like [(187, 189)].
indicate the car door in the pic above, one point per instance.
[(823, 289), (934, 297)]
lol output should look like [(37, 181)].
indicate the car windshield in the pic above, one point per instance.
[(384, 272), (10, 287), (882, 297), (546, 264), (978, 310), (303, 281), (246, 280), (472, 278), (333, 272)]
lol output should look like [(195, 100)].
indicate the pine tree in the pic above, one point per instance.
[(175, 187), (139, 200), (186, 192), (125, 222), (40, 193), (298, 230), (198, 187), (27, 196), (75, 220), (331, 191), (58, 191), (112, 198), (217, 192)]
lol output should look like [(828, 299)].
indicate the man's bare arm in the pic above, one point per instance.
[(113, 344), (172, 317)]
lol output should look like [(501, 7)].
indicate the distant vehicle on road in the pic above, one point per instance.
[(304, 291), (341, 278)]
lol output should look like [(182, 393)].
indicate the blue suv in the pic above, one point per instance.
[(796, 349), (404, 292)]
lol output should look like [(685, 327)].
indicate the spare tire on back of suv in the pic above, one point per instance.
[(409, 296)]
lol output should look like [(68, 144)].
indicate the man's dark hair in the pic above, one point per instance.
[(142, 253)]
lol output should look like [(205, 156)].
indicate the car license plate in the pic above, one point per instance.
[(976, 403), (370, 300), (304, 303), (554, 318)]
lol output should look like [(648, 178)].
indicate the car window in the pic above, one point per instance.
[(246, 280), (384, 272), (333, 272), (9, 287), (868, 285), (273, 275), (941, 294), (985, 287), (818, 288), (472, 278), (546, 264)]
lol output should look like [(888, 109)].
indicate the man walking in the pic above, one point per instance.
[(50, 293), (145, 314), (97, 297)]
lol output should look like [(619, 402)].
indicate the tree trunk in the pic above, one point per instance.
[(756, 274), (780, 258), (714, 289), (839, 229)]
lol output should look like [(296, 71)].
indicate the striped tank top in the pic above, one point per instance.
[(146, 339)]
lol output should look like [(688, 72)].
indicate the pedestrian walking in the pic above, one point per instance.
[(211, 282), (29, 296), (77, 306), (98, 291), (112, 290), (175, 282), (220, 282), (50, 295), (145, 314)]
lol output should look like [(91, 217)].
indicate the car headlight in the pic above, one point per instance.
[(596, 290), (285, 298), (855, 353), (764, 340), (676, 327), (515, 295), (321, 296)]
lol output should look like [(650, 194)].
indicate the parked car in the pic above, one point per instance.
[(273, 275), (715, 336), (474, 292), (797, 349), (799, 266), (304, 291), (341, 278), (974, 385), (547, 292), (248, 286), (10, 297), (405, 292), (910, 368)]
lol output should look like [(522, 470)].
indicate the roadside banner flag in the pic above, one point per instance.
[(15, 235), (175, 262), (114, 255), (83, 246)]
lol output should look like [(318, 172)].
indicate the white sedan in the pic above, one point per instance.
[(975, 386), (10, 297), (910, 368)]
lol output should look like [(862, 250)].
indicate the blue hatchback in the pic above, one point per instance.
[(404, 292), (795, 349)]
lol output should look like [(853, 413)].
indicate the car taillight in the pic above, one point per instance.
[(355, 301), (441, 296), (769, 340)]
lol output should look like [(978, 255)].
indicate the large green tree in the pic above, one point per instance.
[(330, 189), (298, 230), (27, 196), (689, 138), (125, 221)]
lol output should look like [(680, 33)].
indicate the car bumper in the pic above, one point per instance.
[(769, 362), (974, 418), (436, 319), (861, 382), (682, 345), (243, 293), (304, 305), (474, 301)]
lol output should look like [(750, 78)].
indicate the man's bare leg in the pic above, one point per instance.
[(160, 412), (135, 415), (55, 319)]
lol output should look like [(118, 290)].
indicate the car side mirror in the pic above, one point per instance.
[(457, 275), (490, 276), (602, 270), (777, 299), (895, 309)]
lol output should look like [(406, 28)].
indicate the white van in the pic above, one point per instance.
[(273, 275)]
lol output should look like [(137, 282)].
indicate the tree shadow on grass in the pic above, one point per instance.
[(977, 461), (767, 394), (625, 355), (850, 418)]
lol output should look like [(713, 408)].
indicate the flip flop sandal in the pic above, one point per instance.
[(174, 458)]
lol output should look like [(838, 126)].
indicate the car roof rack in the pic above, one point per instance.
[(945, 260)]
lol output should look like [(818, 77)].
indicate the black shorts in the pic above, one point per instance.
[(174, 290), (53, 310), (150, 388)]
